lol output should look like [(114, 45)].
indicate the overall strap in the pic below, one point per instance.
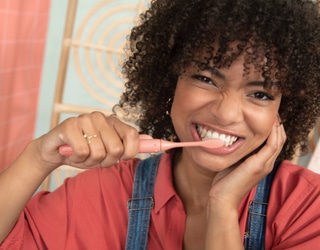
[(255, 232), (141, 203)]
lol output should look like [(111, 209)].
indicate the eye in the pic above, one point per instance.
[(204, 79), (262, 96)]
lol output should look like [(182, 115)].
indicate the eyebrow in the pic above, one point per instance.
[(215, 72), (256, 83)]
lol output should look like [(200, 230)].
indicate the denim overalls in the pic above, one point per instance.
[(141, 203)]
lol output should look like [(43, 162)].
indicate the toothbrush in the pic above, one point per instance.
[(158, 145)]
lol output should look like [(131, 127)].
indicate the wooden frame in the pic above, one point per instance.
[(72, 43)]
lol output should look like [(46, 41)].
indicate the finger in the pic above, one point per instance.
[(264, 159), (232, 184), (99, 140), (72, 134), (124, 142), (245, 176), (283, 135), (89, 150), (108, 149), (145, 137)]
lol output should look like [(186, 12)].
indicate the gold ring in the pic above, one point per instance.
[(89, 137)]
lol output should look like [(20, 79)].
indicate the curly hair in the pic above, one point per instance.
[(171, 33)]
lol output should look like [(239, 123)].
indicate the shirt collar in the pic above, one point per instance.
[(164, 188)]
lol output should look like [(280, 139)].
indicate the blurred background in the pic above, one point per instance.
[(59, 58), (23, 37)]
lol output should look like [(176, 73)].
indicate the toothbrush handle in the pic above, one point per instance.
[(145, 146), (149, 145), (155, 145)]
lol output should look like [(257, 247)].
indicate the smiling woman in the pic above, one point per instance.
[(245, 72), (226, 103)]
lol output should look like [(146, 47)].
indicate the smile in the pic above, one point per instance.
[(206, 134)]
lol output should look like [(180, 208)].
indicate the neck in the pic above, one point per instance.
[(191, 182)]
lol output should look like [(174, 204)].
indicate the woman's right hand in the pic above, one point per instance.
[(94, 138), (115, 140)]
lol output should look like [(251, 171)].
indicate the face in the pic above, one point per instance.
[(224, 104)]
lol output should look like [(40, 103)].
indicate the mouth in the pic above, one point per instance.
[(206, 134)]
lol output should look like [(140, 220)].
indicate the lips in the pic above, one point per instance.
[(205, 133)]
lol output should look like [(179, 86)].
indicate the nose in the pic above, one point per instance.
[(229, 109)]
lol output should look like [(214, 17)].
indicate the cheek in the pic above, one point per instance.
[(184, 105), (181, 101), (179, 110), (261, 124), (262, 119), (187, 103), (189, 98)]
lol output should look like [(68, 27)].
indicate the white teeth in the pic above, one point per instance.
[(208, 134), (228, 139), (203, 133), (215, 135), (222, 137)]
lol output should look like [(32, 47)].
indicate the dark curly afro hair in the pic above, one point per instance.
[(171, 33)]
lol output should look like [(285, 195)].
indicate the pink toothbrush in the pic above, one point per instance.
[(158, 145)]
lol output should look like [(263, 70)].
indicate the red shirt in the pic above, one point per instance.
[(89, 211)]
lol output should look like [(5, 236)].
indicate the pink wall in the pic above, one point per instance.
[(23, 28)]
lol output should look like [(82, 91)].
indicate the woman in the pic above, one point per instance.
[(246, 72)]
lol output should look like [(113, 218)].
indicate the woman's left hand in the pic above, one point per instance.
[(231, 185)]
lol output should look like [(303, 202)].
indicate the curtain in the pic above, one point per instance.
[(23, 28)]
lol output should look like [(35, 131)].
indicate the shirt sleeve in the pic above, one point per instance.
[(15, 238), (72, 214), (294, 211), (40, 222)]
